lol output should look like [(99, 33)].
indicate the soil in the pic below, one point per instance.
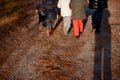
[(26, 53)]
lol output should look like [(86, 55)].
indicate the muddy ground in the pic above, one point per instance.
[(26, 53)]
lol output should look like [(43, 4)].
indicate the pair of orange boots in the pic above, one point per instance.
[(78, 27)]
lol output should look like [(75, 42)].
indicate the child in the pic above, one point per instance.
[(78, 14), (66, 14), (50, 10)]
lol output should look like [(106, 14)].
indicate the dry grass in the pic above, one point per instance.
[(12, 15)]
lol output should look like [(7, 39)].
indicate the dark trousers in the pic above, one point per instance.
[(49, 23), (41, 17), (97, 18)]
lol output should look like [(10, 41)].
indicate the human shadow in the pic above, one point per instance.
[(102, 58), (58, 22)]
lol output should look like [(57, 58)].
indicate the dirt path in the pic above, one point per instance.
[(33, 56)]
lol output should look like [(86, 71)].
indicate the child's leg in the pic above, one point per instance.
[(48, 24), (52, 24), (80, 25), (67, 23), (76, 27)]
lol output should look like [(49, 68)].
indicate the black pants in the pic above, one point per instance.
[(49, 24), (97, 17), (41, 17)]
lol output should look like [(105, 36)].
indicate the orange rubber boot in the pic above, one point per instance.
[(76, 27)]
